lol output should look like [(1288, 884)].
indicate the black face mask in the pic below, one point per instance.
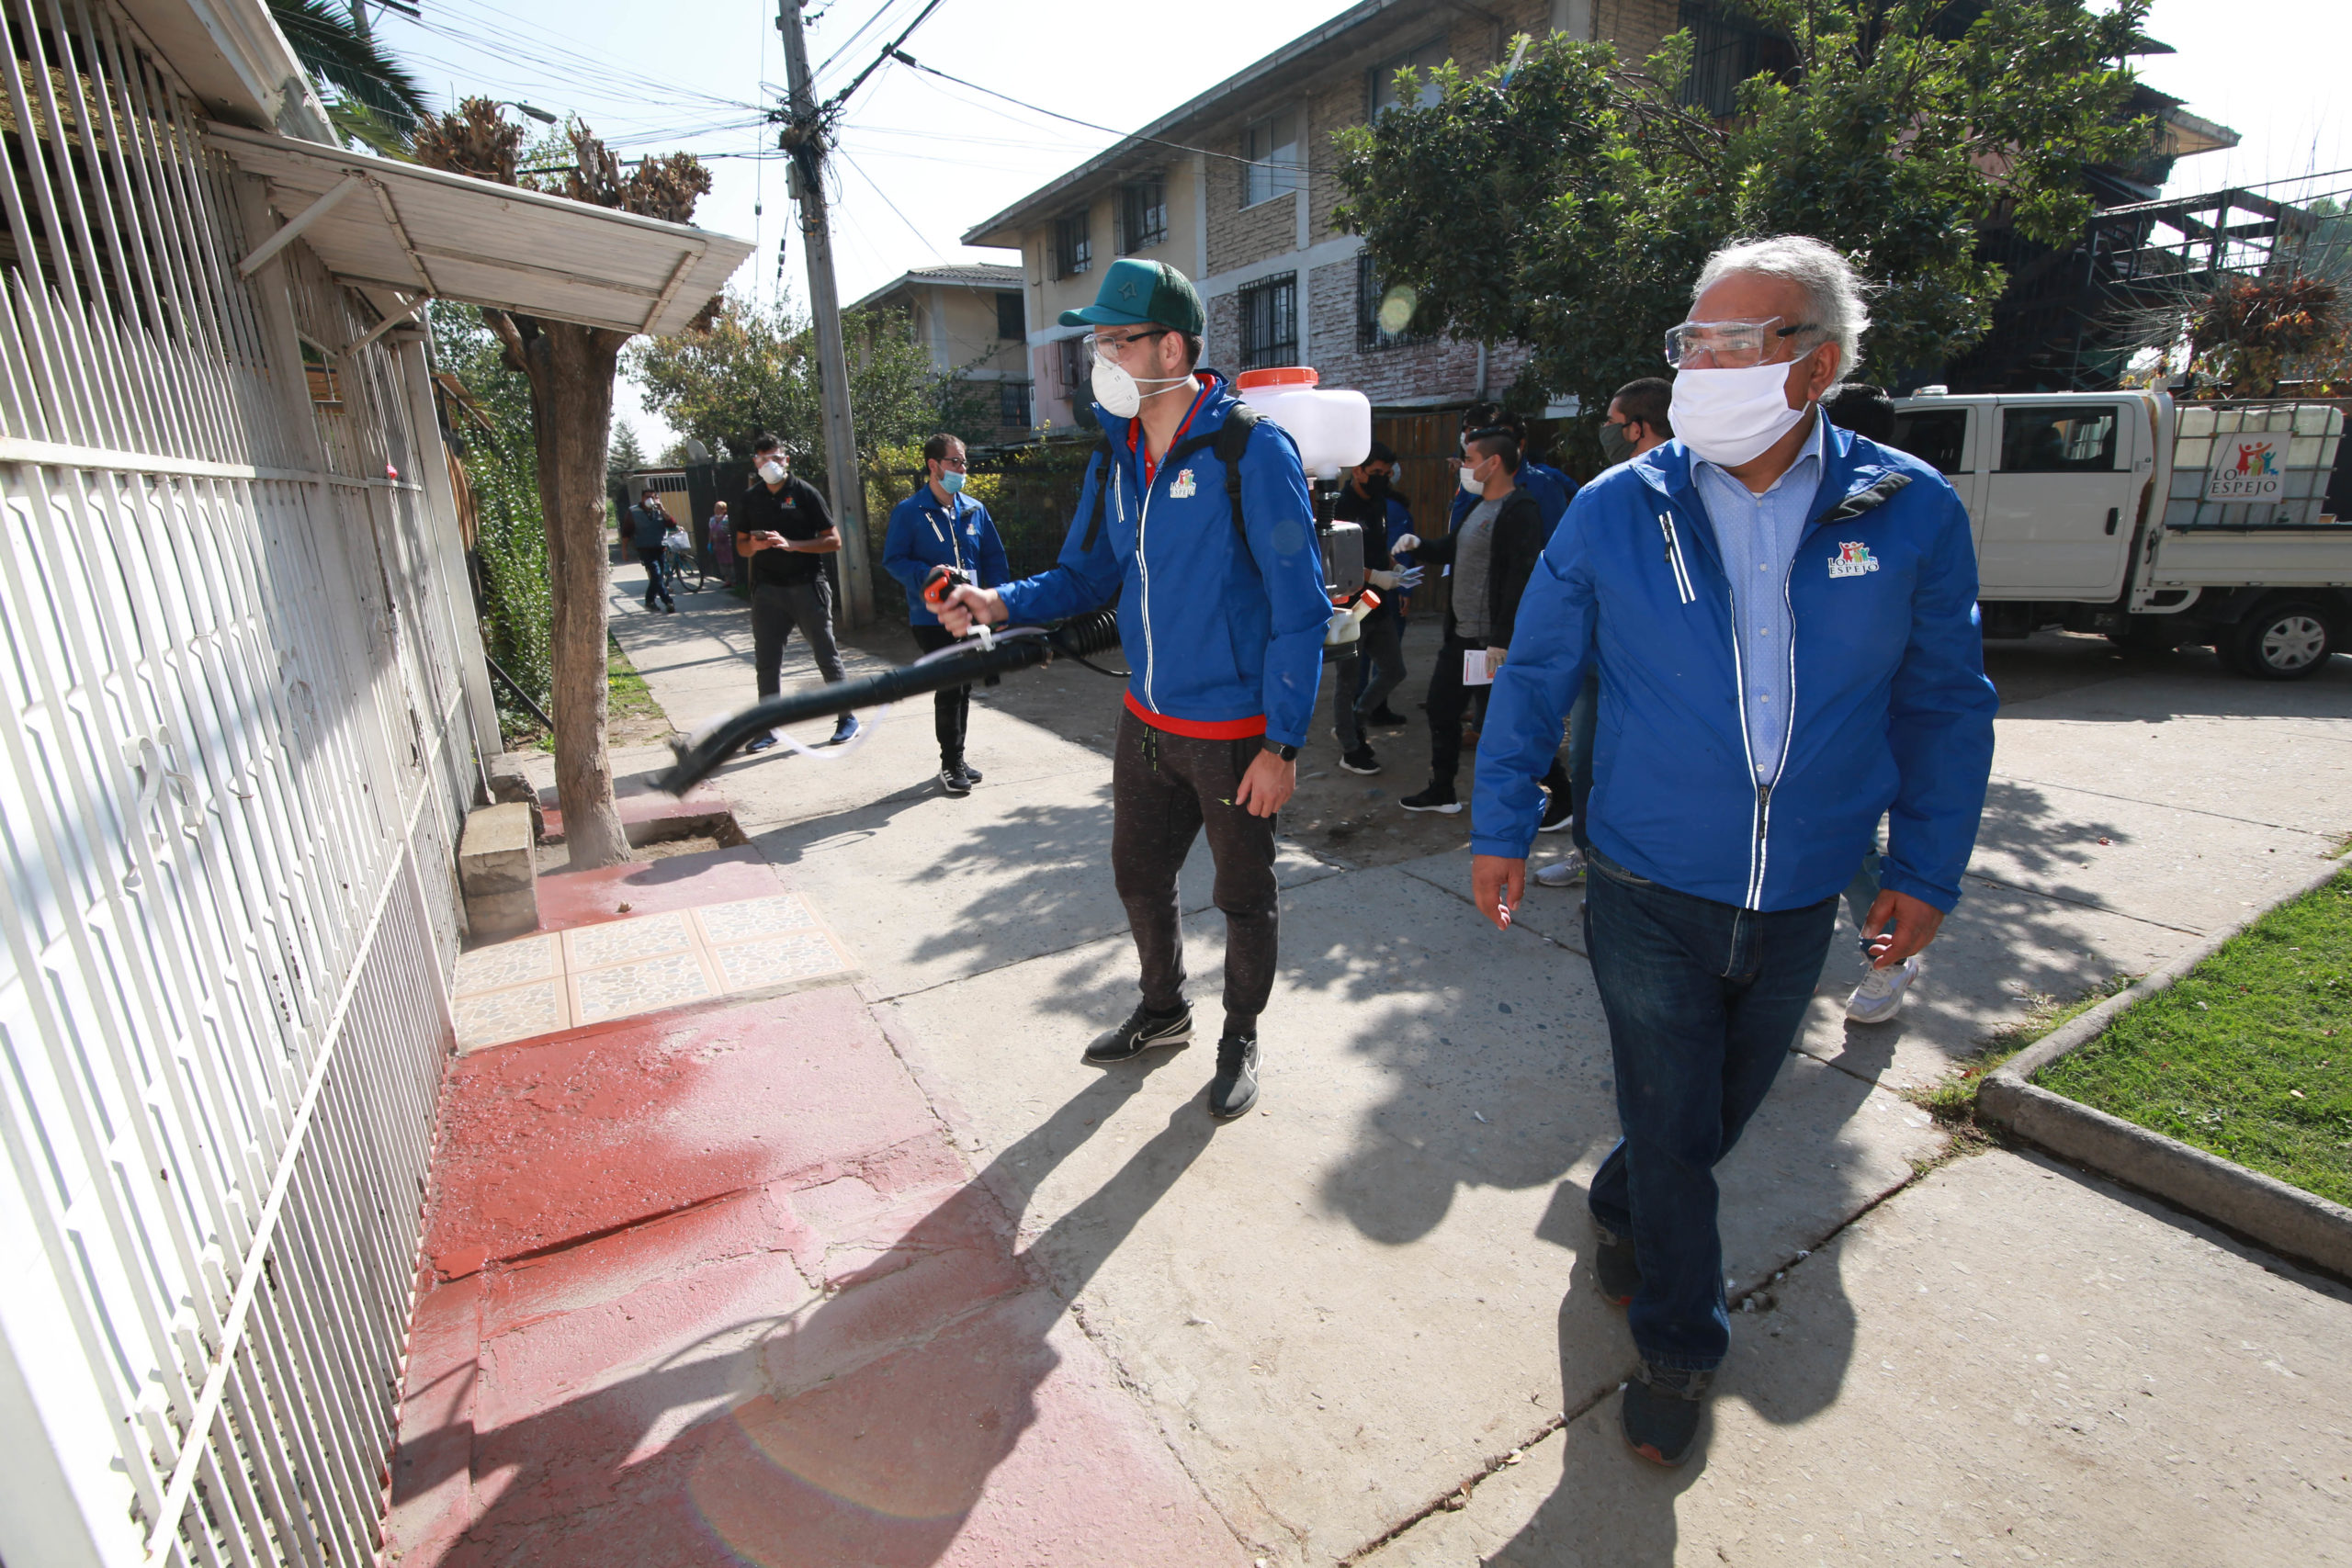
[(1376, 486)]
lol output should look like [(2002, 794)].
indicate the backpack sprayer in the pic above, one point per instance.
[(1333, 429)]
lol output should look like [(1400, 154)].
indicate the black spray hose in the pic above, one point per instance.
[(966, 662)]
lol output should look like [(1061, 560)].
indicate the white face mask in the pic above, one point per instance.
[(1731, 416), (1119, 394), (771, 471), (1469, 484)]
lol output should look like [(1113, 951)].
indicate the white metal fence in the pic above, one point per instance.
[(242, 703)]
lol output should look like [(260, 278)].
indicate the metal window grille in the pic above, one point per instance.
[(1012, 403), (234, 758), (1143, 215), (1073, 245), (1270, 321), (1376, 310), (1076, 371)]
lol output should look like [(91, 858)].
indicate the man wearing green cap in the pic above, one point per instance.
[(1222, 612)]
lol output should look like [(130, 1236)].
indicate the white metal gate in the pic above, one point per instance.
[(239, 739)]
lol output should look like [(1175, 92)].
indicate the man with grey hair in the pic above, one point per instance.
[(1783, 616)]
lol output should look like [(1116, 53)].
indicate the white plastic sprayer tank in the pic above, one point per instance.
[(1333, 428)]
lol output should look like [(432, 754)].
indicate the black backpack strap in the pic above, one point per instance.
[(1230, 440), (1094, 524)]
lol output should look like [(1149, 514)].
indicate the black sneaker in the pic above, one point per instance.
[(1662, 1410), (846, 731), (1360, 760), (1383, 715), (971, 774), (1558, 812), (1437, 797), (761, 744), (952, 780), (1614, 1266), (1235, 1089), (1145, 1030)]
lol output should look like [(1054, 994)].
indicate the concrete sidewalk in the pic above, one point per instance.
[(1358, 1325)]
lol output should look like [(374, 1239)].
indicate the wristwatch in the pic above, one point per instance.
[(1287, 753)]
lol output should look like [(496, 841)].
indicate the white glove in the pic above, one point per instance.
[(1409, 579), (1380, 579), (1406, 542)]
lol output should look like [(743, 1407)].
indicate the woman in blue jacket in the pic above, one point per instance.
[(939, 525)]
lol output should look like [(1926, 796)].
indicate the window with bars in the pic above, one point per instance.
[(1275, 155), (1075, 371), (1270, 321), (1011, 316), (1727, 50), (1073, 243), (1143, 215), (1383, 314), (1012, 403)]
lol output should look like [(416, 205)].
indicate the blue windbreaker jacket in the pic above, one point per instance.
[(1215, 634), (924, 534), (1891, 714)]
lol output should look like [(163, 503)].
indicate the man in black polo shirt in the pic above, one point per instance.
[(784, 529)]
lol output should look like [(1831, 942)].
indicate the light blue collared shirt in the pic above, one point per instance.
[(1758, 536)]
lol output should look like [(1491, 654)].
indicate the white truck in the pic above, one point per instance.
[(2158, 524)]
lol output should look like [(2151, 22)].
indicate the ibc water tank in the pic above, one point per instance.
[(1332, 427)]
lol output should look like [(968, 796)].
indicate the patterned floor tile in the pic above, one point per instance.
[(771, 961), (622, 990), (485, 1018), (624, 941), (509, 964), (754, 917)]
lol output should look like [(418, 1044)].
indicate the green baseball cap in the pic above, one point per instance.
[(1137, 293)]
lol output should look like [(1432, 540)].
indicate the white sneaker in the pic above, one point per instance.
[(1565, 872), (1880, 996)]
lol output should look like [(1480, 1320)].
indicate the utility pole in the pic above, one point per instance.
[(804, 138)]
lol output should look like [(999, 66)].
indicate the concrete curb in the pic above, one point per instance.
[(2286, 1218)]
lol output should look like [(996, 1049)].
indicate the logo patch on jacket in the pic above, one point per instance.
[(1183, 485), (1853, 559)]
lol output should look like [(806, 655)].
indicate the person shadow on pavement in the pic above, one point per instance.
[(862, 1429)]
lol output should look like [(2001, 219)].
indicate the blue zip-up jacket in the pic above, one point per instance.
[(1892, 710), (1552, 489), (924, 534), (1216, 634)]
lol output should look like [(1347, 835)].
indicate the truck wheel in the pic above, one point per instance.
[(2283, 641)]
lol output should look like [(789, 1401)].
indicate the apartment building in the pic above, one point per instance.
[(974, 322), (1236, 188)]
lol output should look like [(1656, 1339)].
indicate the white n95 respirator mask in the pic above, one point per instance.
[(1728, 417), (1119, 394)]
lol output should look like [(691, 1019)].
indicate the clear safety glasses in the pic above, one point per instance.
[(1726, 345), (1106, 346)]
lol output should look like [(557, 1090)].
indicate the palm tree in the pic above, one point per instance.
[(376, 100)]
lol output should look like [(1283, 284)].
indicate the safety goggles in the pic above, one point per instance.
[(1106, 346), (1726, 345)]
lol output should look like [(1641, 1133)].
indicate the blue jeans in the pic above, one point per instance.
[(1581, 716), (1703, 1002), (1861, 894)]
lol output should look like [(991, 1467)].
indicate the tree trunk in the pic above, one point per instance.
[(570, 370)]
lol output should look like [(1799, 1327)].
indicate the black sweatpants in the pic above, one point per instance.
[(1449, 700), (1164, 789), (951, 709)]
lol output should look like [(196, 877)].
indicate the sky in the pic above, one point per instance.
[(922, 159)]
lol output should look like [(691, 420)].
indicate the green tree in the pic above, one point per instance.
[(1568, 205), (502, 470), (755, 370), (623, 456), (570, 369), (371, 96)]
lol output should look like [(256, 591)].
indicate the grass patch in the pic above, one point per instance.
[(2250, 1055), (1951, 1101)]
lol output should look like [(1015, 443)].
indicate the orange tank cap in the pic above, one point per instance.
[(1277, 376)]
